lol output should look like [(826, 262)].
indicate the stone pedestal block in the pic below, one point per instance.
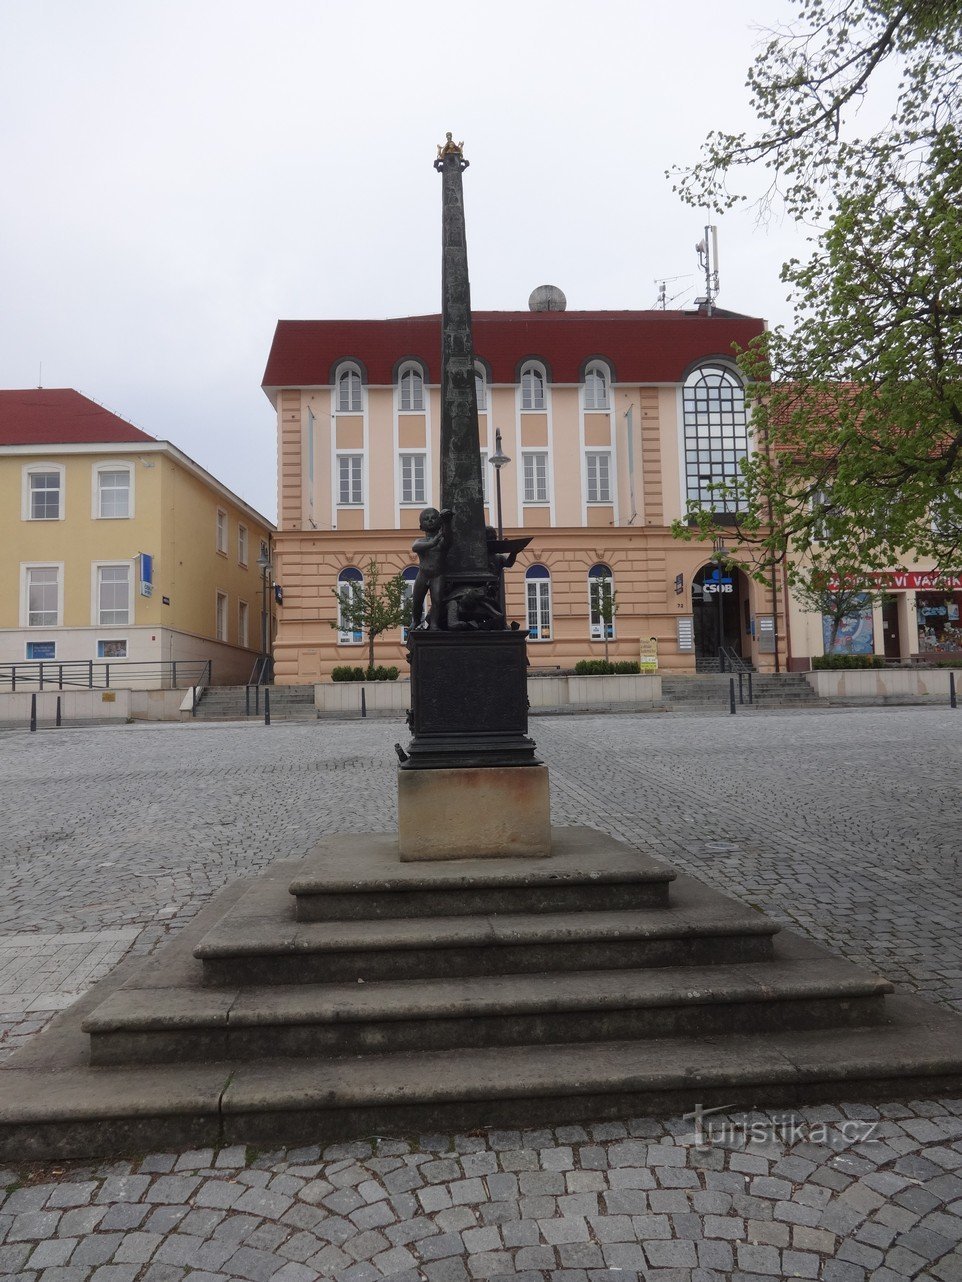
[(473, 813)]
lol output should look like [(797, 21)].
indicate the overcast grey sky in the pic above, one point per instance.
[(179, 174)]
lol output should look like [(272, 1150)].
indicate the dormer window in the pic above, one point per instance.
[(349, 391), (411, 385), (596, 387), (480, 387), (532, 388)]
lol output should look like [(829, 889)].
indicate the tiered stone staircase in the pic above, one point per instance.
[(709, 692), (350, 994), (228, 703)]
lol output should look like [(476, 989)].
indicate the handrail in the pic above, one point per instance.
[(728, 655), (99, 674), (261, 671)]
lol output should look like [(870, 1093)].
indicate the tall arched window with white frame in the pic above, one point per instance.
[(409, 575), (537, 583), (601, 603), (350, 584), (411, 389), (480, 387), (716, 436), (348, 396), (596, 387), (532, 387)]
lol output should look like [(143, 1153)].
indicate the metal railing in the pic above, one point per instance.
[(102, 674), (262, 672), (729, 660)]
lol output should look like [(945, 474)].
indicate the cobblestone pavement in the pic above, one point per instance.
[(842, 824)]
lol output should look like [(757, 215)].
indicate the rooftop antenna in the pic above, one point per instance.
[(708, 261), (663, 282), (40, 377)]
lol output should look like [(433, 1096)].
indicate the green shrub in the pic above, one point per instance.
[(848, 661), (627, 667), (380, 673), (949, 663), (347, 673), (604, 668)]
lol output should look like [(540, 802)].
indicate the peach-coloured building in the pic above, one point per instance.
[(612, 421)]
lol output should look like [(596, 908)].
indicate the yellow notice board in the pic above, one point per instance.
[(648, 655)]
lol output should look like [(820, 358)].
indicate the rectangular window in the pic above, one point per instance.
[(222, 531), (113, 493), (599, 477), (111, 649), (221, 616), (43, 596), (41, 650), (243, 623), (242, 545), (535, 478), (412, 478), (44, 496), (539, 609), (349, 471), (113, 594)]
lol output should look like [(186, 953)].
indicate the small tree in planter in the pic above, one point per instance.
[(836, 596), (604, 607), (371, 607)]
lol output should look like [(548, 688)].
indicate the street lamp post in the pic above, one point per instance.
[(498, 460)]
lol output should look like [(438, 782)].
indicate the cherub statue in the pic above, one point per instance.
[(430, 551)]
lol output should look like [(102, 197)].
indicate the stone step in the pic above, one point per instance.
[(361, 878), (55, 1105), (254, 944), (167, 1026)]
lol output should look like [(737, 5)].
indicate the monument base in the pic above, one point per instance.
[(485, 813)]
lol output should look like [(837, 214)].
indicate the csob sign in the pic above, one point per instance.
[(716, 582)]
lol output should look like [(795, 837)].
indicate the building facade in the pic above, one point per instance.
[(120, 547), (612, 421)]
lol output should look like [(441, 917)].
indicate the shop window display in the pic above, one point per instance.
[(938, 617)]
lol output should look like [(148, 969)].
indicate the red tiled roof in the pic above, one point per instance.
[(642, 347), (60, 416)]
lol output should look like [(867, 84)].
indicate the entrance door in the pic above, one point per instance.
[(716, 597), (890, 627)]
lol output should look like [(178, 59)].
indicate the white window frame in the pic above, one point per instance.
[(410, 389), (356, 476), (26, 507), (96, 505), (221, 616), (593, 404), (243, 624), (222, 532), (25, 568), (595, 492), (96, 568), (532, 494), (350, 404), (533, 374), (542, 602), (242, 545), (481, 388), (416, 496)]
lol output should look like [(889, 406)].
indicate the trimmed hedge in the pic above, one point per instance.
[(364, 674), (603, 668), (848, 661)]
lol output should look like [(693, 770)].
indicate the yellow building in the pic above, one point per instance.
[(120, 548), (613, 422)]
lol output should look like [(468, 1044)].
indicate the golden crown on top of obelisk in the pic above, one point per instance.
[(450, 148)]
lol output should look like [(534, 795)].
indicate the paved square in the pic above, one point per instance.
[(843, 824)]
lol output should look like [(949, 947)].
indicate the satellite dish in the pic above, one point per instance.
[(547, 298)]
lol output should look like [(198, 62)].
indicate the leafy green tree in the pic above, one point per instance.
[(371, 607), (861, 397), (604, 607), (842, 595)]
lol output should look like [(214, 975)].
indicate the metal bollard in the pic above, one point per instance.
[(741, 696), (267, 707), (247, 701), (58, 711), (363, 703), (953, 703), (33, 712), (731, 695), (751, 697)]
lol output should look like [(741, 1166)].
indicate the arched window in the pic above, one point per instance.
[(480, 387), (411, 384), (350, 585), (716, 436), (532, 388), (349, 391), (537, 582), (596, 387), (601, 602)]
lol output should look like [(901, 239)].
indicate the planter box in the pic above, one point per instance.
[(882, 683), (642, 688), (343, 698)]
